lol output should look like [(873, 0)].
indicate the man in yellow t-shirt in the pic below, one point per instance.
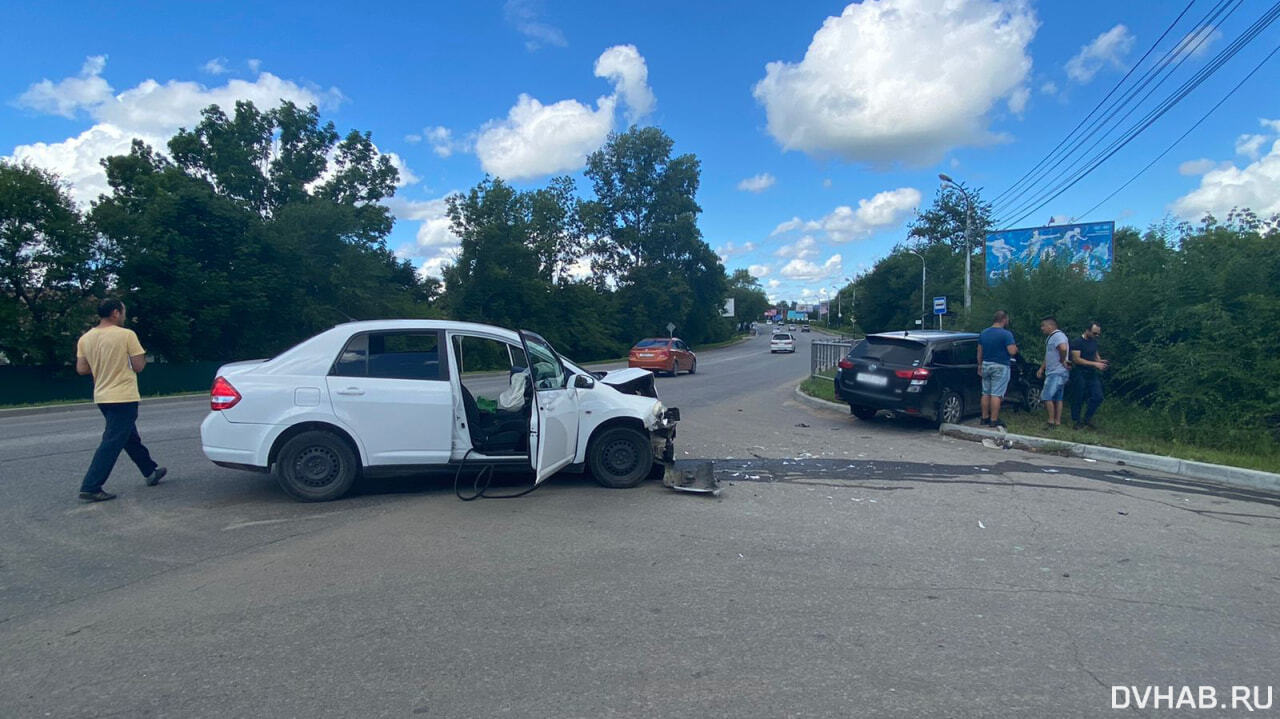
[(114, 357)]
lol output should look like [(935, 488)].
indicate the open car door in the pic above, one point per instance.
[(553, 421)]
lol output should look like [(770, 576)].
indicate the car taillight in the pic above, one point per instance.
[(223, 395), (845, 363), (919, 373)]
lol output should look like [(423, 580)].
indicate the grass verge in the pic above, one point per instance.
[(84, 401), (1125, 426)]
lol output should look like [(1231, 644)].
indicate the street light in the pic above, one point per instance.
[(968, 221), (923, 312)]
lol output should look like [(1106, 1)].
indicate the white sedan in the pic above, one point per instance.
[(782, 342), (402, 395)]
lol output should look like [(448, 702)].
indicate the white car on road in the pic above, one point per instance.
[(404, 395), (782, 342)]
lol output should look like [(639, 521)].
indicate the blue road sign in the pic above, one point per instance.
[(939, 305)]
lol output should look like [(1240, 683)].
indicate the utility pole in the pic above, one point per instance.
[(924, 312), (968, 226)]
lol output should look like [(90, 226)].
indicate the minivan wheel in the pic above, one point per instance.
[(950, 408), (863, 413), (1031, 401), (316, 466), (620, 457)]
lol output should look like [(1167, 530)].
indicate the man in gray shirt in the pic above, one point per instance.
[(1055, 370)]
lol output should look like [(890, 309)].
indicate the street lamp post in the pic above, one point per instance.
[(968, 222), (923, 311)]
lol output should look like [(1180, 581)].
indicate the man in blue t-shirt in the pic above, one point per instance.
[(995, 346)]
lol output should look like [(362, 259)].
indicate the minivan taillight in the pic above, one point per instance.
[(920, 373), (845, 363), (223, 395)]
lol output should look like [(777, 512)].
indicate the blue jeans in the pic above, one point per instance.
[(1054, 384), (1085, 385), (995, 379), (121, 433)]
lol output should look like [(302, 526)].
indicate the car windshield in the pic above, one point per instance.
[(891, 350), (652, 343)]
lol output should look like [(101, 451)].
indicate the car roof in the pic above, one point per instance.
[(926, 336)]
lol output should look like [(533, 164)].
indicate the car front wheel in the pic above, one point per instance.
[(316, 466), (693, 368), (620, 458)]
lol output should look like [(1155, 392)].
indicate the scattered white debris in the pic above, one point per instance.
[(1052, 471), (1090, 460), (981, 525), (871, 500)]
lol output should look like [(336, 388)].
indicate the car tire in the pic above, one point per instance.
[(693, 368), (1031, 401), (620, 458), (675, 368), (866, 414), (316, 466), (950, 408)]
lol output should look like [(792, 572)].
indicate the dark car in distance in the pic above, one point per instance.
[(929, 374)]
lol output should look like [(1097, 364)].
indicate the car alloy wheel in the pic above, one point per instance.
[(951, 409)]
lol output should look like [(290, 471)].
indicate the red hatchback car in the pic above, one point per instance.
[(663, 354)]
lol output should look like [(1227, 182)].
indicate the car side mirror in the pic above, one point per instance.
[(583, 382)]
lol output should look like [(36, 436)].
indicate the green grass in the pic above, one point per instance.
[(89, 400), (1126, 426), (820, 387)]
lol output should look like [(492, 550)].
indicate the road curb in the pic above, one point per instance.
[(1234, 476), (819, 403), (25, 411)]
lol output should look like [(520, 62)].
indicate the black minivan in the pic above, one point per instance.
[(925, 373)]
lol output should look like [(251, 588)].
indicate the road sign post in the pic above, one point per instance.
[(939, 308), (671, 328)]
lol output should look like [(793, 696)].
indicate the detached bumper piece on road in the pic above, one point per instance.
[(700, 480)]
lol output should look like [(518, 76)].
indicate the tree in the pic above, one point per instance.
[(50, 267), (944, 221), (749, 298), (250, 239), (647, 241)]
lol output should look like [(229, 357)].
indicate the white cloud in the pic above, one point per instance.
[(1049, 87), (845, 223), (216, 66), (760, 271), (773, 285), (536, 139), (443, 143), (900, 80), (730, 250), (625, 68), (1196, 43), (1255, 186), (254, 65), (1109, 48), (434, 242), (70, 94), (826, 183), (1018, 100), (150, 111), (803, 249), (1196, 167), (1250, 145), (757, 183), (526, 17), (413, 138), (806, 271)]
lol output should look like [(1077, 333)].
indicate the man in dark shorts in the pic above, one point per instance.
[(1086, 376)]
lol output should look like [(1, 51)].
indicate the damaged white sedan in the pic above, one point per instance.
[(397, 396)]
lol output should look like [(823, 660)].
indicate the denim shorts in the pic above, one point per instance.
[(1054, 385), (995, 379)]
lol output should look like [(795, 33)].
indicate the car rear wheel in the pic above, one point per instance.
[(693, 368), (950, 408), (316, 466), (620, 457), (863, 413), (675, 368)]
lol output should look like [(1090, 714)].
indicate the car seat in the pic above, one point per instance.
[(499, 433)]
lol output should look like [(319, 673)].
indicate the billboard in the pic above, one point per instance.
[(1088, 246), (797, 315)]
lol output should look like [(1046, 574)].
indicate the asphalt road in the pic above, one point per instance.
[(850, 569)]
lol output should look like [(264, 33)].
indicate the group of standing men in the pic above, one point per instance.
[(1072, 365)]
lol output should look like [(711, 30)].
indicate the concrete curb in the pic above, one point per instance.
[(1234, 476), (51, 409), (819, 403)]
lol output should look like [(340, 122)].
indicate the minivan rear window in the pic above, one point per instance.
[(890, 350)]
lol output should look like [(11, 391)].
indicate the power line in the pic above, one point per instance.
[(1164, 68), (1168, 103), (1183, 136), (1095, 109)]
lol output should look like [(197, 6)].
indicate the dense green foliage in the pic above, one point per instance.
[(258, 229)]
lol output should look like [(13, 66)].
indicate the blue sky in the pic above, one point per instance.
[(820, 126)]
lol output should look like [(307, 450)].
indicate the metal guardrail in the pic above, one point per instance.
[(825, 354)]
